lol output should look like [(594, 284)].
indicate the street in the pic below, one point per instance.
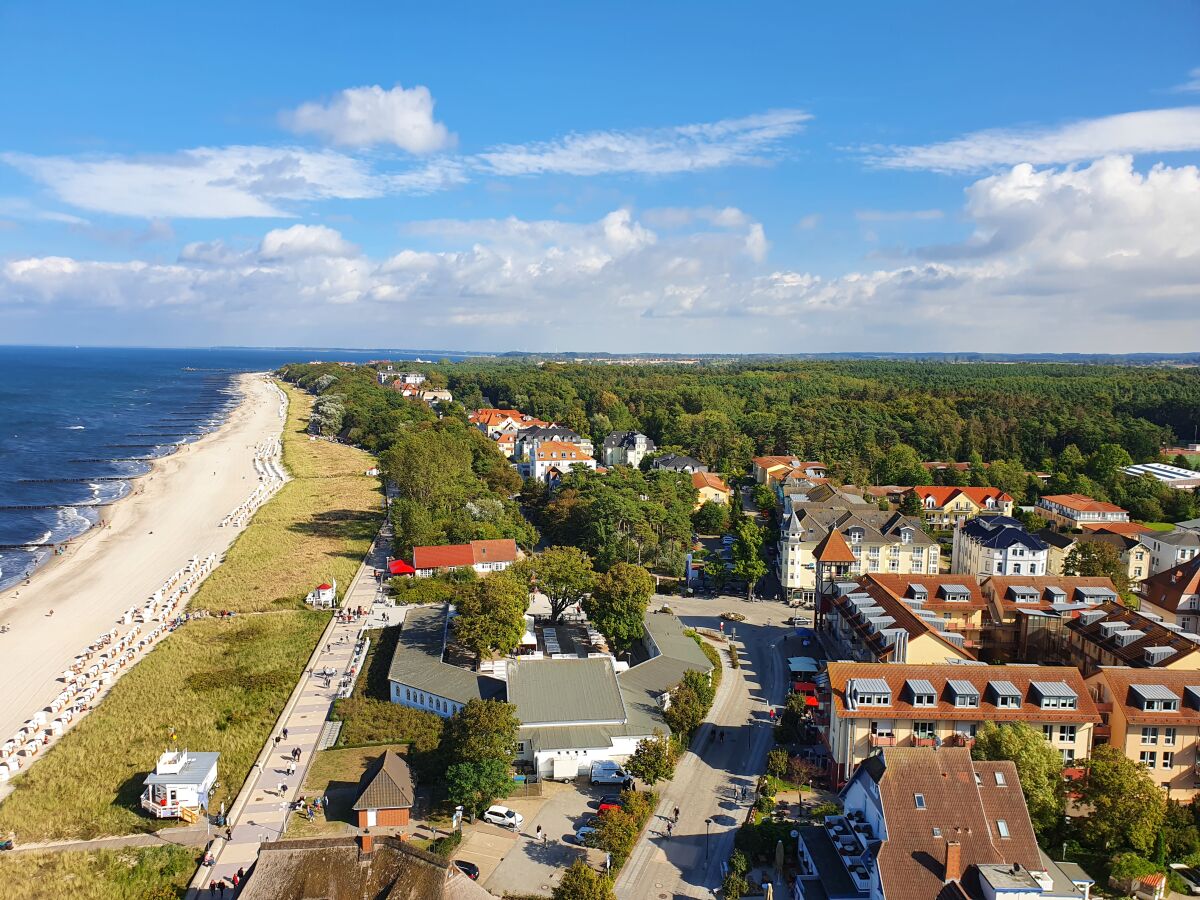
[(688, 863)]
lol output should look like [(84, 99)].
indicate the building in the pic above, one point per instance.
[(492, 421), (867, 623), (957, 603), (946, 507), (386, 793), (551, 460), (1174, 595), (1170, 549), (482, 556), (1058, 545), (530, 440), (180, 784), (350, 868), (1028, 614), (710, 488), (997, 545), (768, 468), (677, 462), (1175, 476), (1077, 510), (1153, 716), (1136, 556), (1114, 635), (926, 824), (626, 448), (875, 541), (428, 673), (323, 596), (876, 705)]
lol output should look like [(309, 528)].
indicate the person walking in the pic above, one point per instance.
[(677, 814), (285, 734), (538, 833), (282, 788), (212, 886), (670, 828)]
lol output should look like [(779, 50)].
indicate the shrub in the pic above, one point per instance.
[(738, 864), (826, 809), (764, 804), (777, 762), (447, 844), (734, 886)]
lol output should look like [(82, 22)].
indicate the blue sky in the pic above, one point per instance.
[(622, 177)]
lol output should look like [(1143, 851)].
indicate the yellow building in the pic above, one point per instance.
[(710, 488), (947, 506), (875, 705)]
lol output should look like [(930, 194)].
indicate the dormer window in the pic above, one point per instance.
[(1056, 695), (906, 535), (1155, 697), (966, 695), (856, 535)]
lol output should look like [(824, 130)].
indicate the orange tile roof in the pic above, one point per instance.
[(1119, 679), (939, 674), (709, 480), (995, 587), (1167, 589), (451, 556), (561, 450), (1128, 529), (944, 494), (1082, 503), (897, 586), (834, 549)]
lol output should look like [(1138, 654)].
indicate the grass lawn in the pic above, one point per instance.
[(219, 684), (135, 873), (335, 775), (1159, 526)]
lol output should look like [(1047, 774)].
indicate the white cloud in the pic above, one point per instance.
[(208, 182), (809, 222), (684, 148), (1147, 131), (897, 215), (1192, 85), (682, 216), (1101, 257), (365, 116)]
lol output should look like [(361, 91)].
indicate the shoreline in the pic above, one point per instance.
[(9, 596), (150, 533)]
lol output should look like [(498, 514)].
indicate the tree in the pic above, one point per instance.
[(901, 464), (1108, 460), (1039, 766), (777, 762), (748, 562), (1097, 559), (619, 601), (477, 785), (482, 730), (1127, 806), (910, 504), (716, 572), (711, 518), (581, 882), (691, 700), (764, 498), (617, 832), (491, 614), (653, 760), (564, 574)]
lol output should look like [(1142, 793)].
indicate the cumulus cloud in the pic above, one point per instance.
[(1078, 258), (365, 116), (1147, 131)]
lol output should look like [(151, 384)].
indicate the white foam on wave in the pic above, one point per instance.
[(76, 427)]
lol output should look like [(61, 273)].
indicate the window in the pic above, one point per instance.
[(1168, 760), (1066, 734), (1001, 781), (924, 700), (922, 729), (1008, 701), (1169, 736), (919, 801), (1016, 568), (1148, 758), (1137, 571), (1068, 755), (1048, 732), (1002, 828), (1149, 735), (971, 701)]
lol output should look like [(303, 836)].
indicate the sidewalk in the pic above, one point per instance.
[(261, 811), (189, 836)]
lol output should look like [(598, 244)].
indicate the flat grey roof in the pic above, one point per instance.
[(577, 691), (194, 771)]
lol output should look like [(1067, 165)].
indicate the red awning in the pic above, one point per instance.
[(400, 567), (804, 687), (810, 701)]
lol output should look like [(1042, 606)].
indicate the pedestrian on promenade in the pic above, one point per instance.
[(241, 873), (670, 828), (285, 733), (324, 802), (228, 834), (538, 833), (282, 788), (277, 740), (677, 814), (221, 888), (212, 886), (545, 837)]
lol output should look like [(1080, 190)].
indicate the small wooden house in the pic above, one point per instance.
[(387, 793)]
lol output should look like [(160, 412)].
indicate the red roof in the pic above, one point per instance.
[(324, 587), (1129, 529), (452, 556), (833, 548), (943, 494), (400, 567), (1082, 503)]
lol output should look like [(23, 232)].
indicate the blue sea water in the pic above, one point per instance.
[(75, 421)]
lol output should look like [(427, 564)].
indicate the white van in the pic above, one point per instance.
[(608, 773)]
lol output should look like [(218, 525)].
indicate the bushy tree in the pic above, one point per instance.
[(901, 464), (1039, 766), (564, 574), (711, 518), (777, 762), (1097, 559), (1127, 807), (581, 882), (910, 504), (478, 784), (748, 562), (491, 614), (482, 730), (618, 603), (653, 760)]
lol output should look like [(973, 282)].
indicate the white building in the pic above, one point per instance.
[(550, 460), (1170, 548), (626, 448), (997, 545), (323, 596), (181, 781), (1175, 476)]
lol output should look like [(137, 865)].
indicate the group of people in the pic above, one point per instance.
[(217, 886)]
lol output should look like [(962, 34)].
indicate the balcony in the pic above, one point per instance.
[(960, 740), (922, 741), (883, 740)]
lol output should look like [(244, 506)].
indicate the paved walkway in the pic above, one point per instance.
[(262, 809), (687, 864), (188, 836)]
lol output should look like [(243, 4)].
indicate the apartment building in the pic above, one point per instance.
[(1077, 510), (951, 602), (876, 705), (997, 545), (1175, 595), (945, 507), (877, 542), (1171, 548), (775, 467), (1153, 716), (626, 448), (1027, 615), (1114, 635)]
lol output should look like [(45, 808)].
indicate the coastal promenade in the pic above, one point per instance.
[(261, 811), (148, 535)]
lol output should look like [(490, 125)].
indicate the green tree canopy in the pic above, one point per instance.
[(748, 562), (618, 603), (1039, 767), (711, 518), (1127, 806), (478, 784), (563, 574), (581, 882), (482, 730), (653, 760), (491, 614), (1097, 559), (901, 464)]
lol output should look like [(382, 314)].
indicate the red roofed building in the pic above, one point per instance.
[(767, 468), (492, 421), (1076, 510), (710, 487), (482, 556), (553, 459), (948, 506)]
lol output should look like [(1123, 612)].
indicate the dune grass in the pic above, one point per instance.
[(218, 683), (135, 873)]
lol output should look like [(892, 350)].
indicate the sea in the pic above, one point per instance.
[(78, 424)]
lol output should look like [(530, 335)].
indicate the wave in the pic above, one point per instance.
[(76, 427)]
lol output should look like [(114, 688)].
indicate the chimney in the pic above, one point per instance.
[(953, 861), (366, 842)]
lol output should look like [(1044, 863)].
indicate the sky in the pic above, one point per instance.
[(624, 177)]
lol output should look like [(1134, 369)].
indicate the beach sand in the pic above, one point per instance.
[(151, 534)]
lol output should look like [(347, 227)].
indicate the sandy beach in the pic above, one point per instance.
[(150, 535)]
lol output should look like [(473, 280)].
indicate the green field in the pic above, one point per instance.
[(220, 684), (136, 873)]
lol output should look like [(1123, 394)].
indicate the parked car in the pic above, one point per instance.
[(467, 868), (608, 773), (727, 540), (798, 620), (1190, 876), (584, 835), (610, 801), (504, 817)]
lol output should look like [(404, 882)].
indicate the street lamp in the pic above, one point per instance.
[(707, 826)]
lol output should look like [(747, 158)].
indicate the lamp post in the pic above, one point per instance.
[(707, 827)]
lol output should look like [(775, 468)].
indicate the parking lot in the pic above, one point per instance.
[(532, 866)]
